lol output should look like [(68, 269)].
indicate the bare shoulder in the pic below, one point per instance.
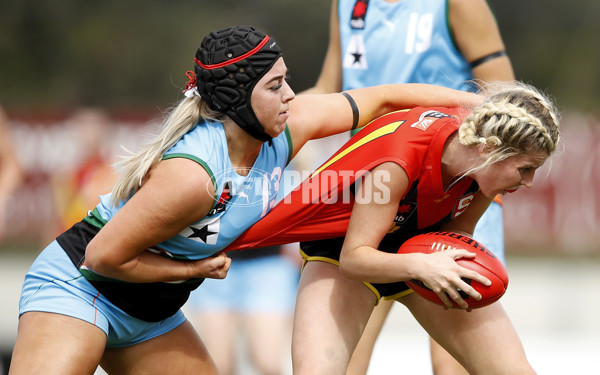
[(391, 177), (466, 6), (181, 184), (182, 174), (469, 12), (395, 170)]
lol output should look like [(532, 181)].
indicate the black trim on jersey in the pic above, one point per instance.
[(259, 252), (150, 302)]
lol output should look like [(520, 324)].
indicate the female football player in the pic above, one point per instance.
[(406, 173)]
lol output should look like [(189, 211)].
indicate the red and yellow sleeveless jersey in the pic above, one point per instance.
[(321, 205)]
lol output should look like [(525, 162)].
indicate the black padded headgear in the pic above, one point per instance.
[(228, 65)]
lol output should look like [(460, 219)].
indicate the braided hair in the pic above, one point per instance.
[(514, 119)]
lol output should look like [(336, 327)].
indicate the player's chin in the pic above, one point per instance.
[(509, 191), (492, 194), (277, 129)]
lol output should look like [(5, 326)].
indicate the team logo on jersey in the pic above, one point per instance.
[(427, 118), (359, 13), (355, 56), (206, 231), (223, 200), (461, 204)]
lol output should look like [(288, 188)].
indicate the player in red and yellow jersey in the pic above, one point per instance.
[(406, 173)]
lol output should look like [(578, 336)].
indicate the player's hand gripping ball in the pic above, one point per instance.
[(484, 263)]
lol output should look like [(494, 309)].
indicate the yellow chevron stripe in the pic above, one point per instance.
[(384, 130)]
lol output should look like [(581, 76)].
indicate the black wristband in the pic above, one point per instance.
[(487, 58), (354, 110)]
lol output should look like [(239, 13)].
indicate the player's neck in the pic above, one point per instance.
[(456, 159), (243, 149)]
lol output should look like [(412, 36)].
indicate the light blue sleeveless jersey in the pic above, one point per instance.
[(240, 201), (408, 41)]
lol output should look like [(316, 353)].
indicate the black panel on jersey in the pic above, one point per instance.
[(150, 302)]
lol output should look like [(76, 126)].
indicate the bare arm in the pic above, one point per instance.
[(176, 194), (477, 35), (370, 221), (330, 78), (320, 115)]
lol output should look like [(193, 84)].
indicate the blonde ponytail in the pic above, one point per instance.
[(178, 121)]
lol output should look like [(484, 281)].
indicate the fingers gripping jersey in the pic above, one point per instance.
[(320, 206)]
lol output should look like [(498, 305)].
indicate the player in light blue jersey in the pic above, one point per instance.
[(108, 291), (402, 41), (452, 43)]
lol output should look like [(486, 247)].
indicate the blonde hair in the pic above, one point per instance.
[(515, 119), (178, 121)]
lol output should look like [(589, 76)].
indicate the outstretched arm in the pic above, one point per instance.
[(315, 116)]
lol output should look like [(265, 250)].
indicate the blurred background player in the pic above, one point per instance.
[(248, 315), (78, 187), (11, 174), (452, 43)]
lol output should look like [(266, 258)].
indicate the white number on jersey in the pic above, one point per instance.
[(418, 35)]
